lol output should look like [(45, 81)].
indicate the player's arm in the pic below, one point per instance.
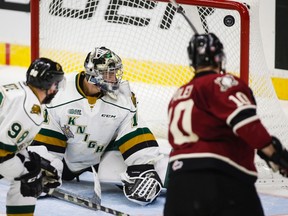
[(140, 150), (134, 139), (239, 109), (234, 103), (24, 167), (50, 144), (276, 156), (141, 182), (51, 135), (11, 165)]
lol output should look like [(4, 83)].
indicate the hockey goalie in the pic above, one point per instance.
[(97, 113)]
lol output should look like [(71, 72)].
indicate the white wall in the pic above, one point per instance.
[(15, 27)]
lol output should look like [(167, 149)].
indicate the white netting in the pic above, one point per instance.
[(152, 38)]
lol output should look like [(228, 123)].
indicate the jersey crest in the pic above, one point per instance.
[(67, 132), (226, 82), (36, 109)]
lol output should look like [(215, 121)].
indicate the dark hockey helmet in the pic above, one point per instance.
[(100, 64), (206, 50), (43, 72)]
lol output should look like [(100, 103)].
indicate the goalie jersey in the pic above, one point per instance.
[(21, 116), (80, 128), (214, 125)]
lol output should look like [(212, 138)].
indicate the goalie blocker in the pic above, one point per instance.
[(141, 184), (278, 161)]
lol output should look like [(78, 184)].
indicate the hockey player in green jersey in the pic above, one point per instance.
[(21, 115), (98, 109)]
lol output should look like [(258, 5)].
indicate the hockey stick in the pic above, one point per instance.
[(180, 10), (84, 202), (97, 187)]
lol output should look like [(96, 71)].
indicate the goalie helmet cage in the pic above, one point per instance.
[(152, 38)]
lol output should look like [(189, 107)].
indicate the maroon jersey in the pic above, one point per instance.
[(213, 124)]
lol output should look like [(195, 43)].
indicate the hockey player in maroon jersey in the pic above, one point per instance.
[(214, 131)]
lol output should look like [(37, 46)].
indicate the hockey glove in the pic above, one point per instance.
[(51, 179), (31, 182), (278, 160), (141, 184)]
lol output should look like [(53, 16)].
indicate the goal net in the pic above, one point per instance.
[(152, 38)]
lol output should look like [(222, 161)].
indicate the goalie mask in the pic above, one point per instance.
[(206, 50), (104, 69)]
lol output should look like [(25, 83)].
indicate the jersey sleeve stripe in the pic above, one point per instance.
[(53, 148), (51, 133), (5, 155), (242, 115), (133, 134), (239, 110), (138, 147), (244, 122), (135, 141), (50, 140), (8, 147)]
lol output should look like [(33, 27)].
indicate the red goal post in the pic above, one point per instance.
[(152, 38)]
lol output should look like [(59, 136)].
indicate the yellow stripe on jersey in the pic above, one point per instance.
[(50, 140), (135, 140), (4, 153)]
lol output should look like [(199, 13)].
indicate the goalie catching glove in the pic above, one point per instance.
[(141, 184), (278, 160)]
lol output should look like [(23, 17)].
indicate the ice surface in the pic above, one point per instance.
[(112, 197)]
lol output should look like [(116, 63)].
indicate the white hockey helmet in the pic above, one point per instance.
[(104, 69)]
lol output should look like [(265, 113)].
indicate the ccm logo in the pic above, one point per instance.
[(108, 116)]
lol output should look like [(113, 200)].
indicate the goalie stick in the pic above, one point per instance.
[(180, 10), (97, 187), (81, 201)]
